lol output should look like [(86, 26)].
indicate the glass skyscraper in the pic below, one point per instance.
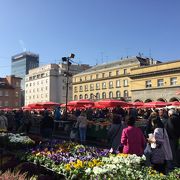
[(20, 66)]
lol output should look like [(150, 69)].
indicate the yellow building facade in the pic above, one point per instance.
[(110, 80), (158, 82)]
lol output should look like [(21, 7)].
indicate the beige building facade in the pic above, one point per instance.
[(48, 83), (158, 82), (109, 80)]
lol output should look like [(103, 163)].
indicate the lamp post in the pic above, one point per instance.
[(67, 74)]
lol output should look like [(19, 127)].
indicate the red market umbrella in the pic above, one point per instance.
[(138, 104), (26, 108), (81, 103), (156, 104), (175, 103), (50, 103), (112, 103)]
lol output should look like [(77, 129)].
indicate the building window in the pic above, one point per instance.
[(103, 75), (91, 87), (46, 81), (125, 93), (103, 95), (173, 81), (80, 88), (6, 93), (86, 87), (6, 103), (97, 96), (37, 89), (16, 103), (97, 76), (17, 84), (75, 97), (86, 96), (117, 83), (103, 85), (110, 74), (118, 94), (27, 85), (46, 88), (41, 88), (80, 96), (1, 93), (125, 82), (17, 94), (160, 82), (111, 94), (125, 71), (148, 84), (91, 96), (91, 77), (97, 86), (80, 79), (75, 89), (117, 73), (110, 84)]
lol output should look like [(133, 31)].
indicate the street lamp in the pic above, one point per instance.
[(67, 74)]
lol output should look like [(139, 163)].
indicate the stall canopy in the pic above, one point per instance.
[(81, 103), (156, 104), (112, 103), (175, 103), (138, 104)]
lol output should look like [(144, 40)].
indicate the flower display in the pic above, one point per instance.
[(15, 141), (85, 162)]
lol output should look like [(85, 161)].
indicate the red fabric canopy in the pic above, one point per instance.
[(157, 104), (50, 103), (175, 103), (81, 103), (112, 103)]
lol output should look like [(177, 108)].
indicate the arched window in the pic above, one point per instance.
[(86, 96), (91, 96), (110, 94), (80, 96), (118, 94), (75, 97), (97, 96), (103, 95), (125, 93)]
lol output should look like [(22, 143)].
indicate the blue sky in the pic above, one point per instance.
[(95, 31)]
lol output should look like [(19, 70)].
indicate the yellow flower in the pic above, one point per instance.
[(80, 163), (38, 154), (90, 164), (68, 167)]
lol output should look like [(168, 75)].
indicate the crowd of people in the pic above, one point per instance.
[(159, 140)]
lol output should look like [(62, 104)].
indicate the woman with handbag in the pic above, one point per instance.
[(114, 133), (161, 150)]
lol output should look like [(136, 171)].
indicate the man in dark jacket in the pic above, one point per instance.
[(173, 130), (46, 125)]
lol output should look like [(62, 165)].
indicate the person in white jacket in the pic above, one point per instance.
[(82, 125), (161, 152)]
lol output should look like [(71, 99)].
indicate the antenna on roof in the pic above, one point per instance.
[(102, 57), (149, 52)]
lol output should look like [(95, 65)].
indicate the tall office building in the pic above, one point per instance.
[(21, 64)]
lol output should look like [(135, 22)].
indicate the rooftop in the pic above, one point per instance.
[(121, 62)]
